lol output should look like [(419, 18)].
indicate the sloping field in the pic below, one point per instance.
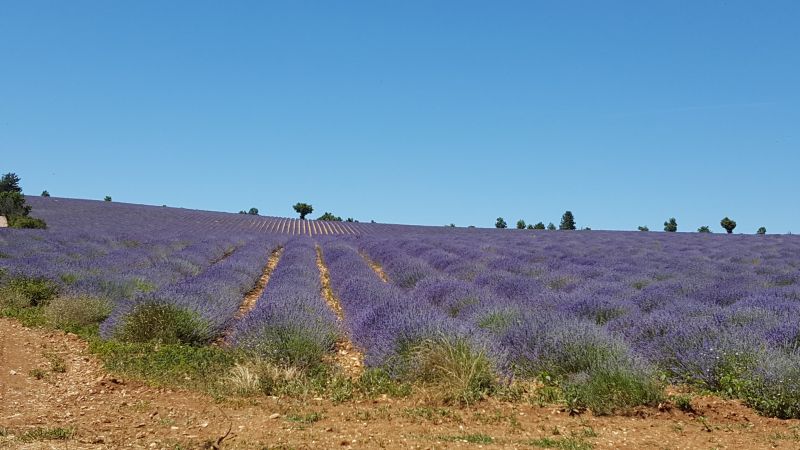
[(585, 319)]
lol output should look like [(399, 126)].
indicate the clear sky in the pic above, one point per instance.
[(423, 112)]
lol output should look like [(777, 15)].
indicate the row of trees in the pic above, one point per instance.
[(728, 224), (567, 223), (12, 204)]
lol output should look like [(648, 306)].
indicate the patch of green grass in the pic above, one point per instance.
[(374, 382), (475, 438), (37, 373), (311, 417), (46, 434), (608, 390), (28, 316), (173, 364), (792, 434), (569, 443)]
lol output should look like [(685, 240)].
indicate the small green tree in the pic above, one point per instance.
[(761, 230), (253, 211), (551, 227), (567, 221), (671, 225), (530, 226), (643, 228), (107, 198), (241, 211), (500, 223), (520, 224), (45, 194), (329, 217), (539, 226), (728, 224), (704, 229), (12, 204), (10, 183), (350, 219), (303, 209)]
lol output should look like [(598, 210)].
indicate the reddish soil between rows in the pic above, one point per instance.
[(108, 412)]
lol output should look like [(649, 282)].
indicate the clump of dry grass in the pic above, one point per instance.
[(242, 380)]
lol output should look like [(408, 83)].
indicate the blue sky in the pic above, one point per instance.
[(625, 112)]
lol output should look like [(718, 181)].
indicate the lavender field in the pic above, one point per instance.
[(619, 313)]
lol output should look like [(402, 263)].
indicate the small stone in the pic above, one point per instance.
[(12, 372), (274, 416)]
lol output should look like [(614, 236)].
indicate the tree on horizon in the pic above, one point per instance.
[(567, 221), (303, 209)]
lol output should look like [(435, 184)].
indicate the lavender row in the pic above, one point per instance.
[(291, 323), (383, 319), (209, 299)]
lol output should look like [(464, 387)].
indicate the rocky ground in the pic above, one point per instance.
[(55, 394)]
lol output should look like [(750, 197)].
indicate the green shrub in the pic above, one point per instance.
[(26, 222), (75, 313), (291, 346), (12, 204), (609, 389), (684, 403), (458, 372), (35, 290), (165, 324)]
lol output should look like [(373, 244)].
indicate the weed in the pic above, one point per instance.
[(684, 403), (460, 373), (374, 382), (37, 373), (431, 414), (305, 418), (242, 380), (46, 434), (475, 438), (570, 443), (57, 363)]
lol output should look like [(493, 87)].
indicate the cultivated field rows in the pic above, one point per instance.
[(579, 310)]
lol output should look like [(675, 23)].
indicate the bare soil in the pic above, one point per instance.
[(105, 412), (347, 355)]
